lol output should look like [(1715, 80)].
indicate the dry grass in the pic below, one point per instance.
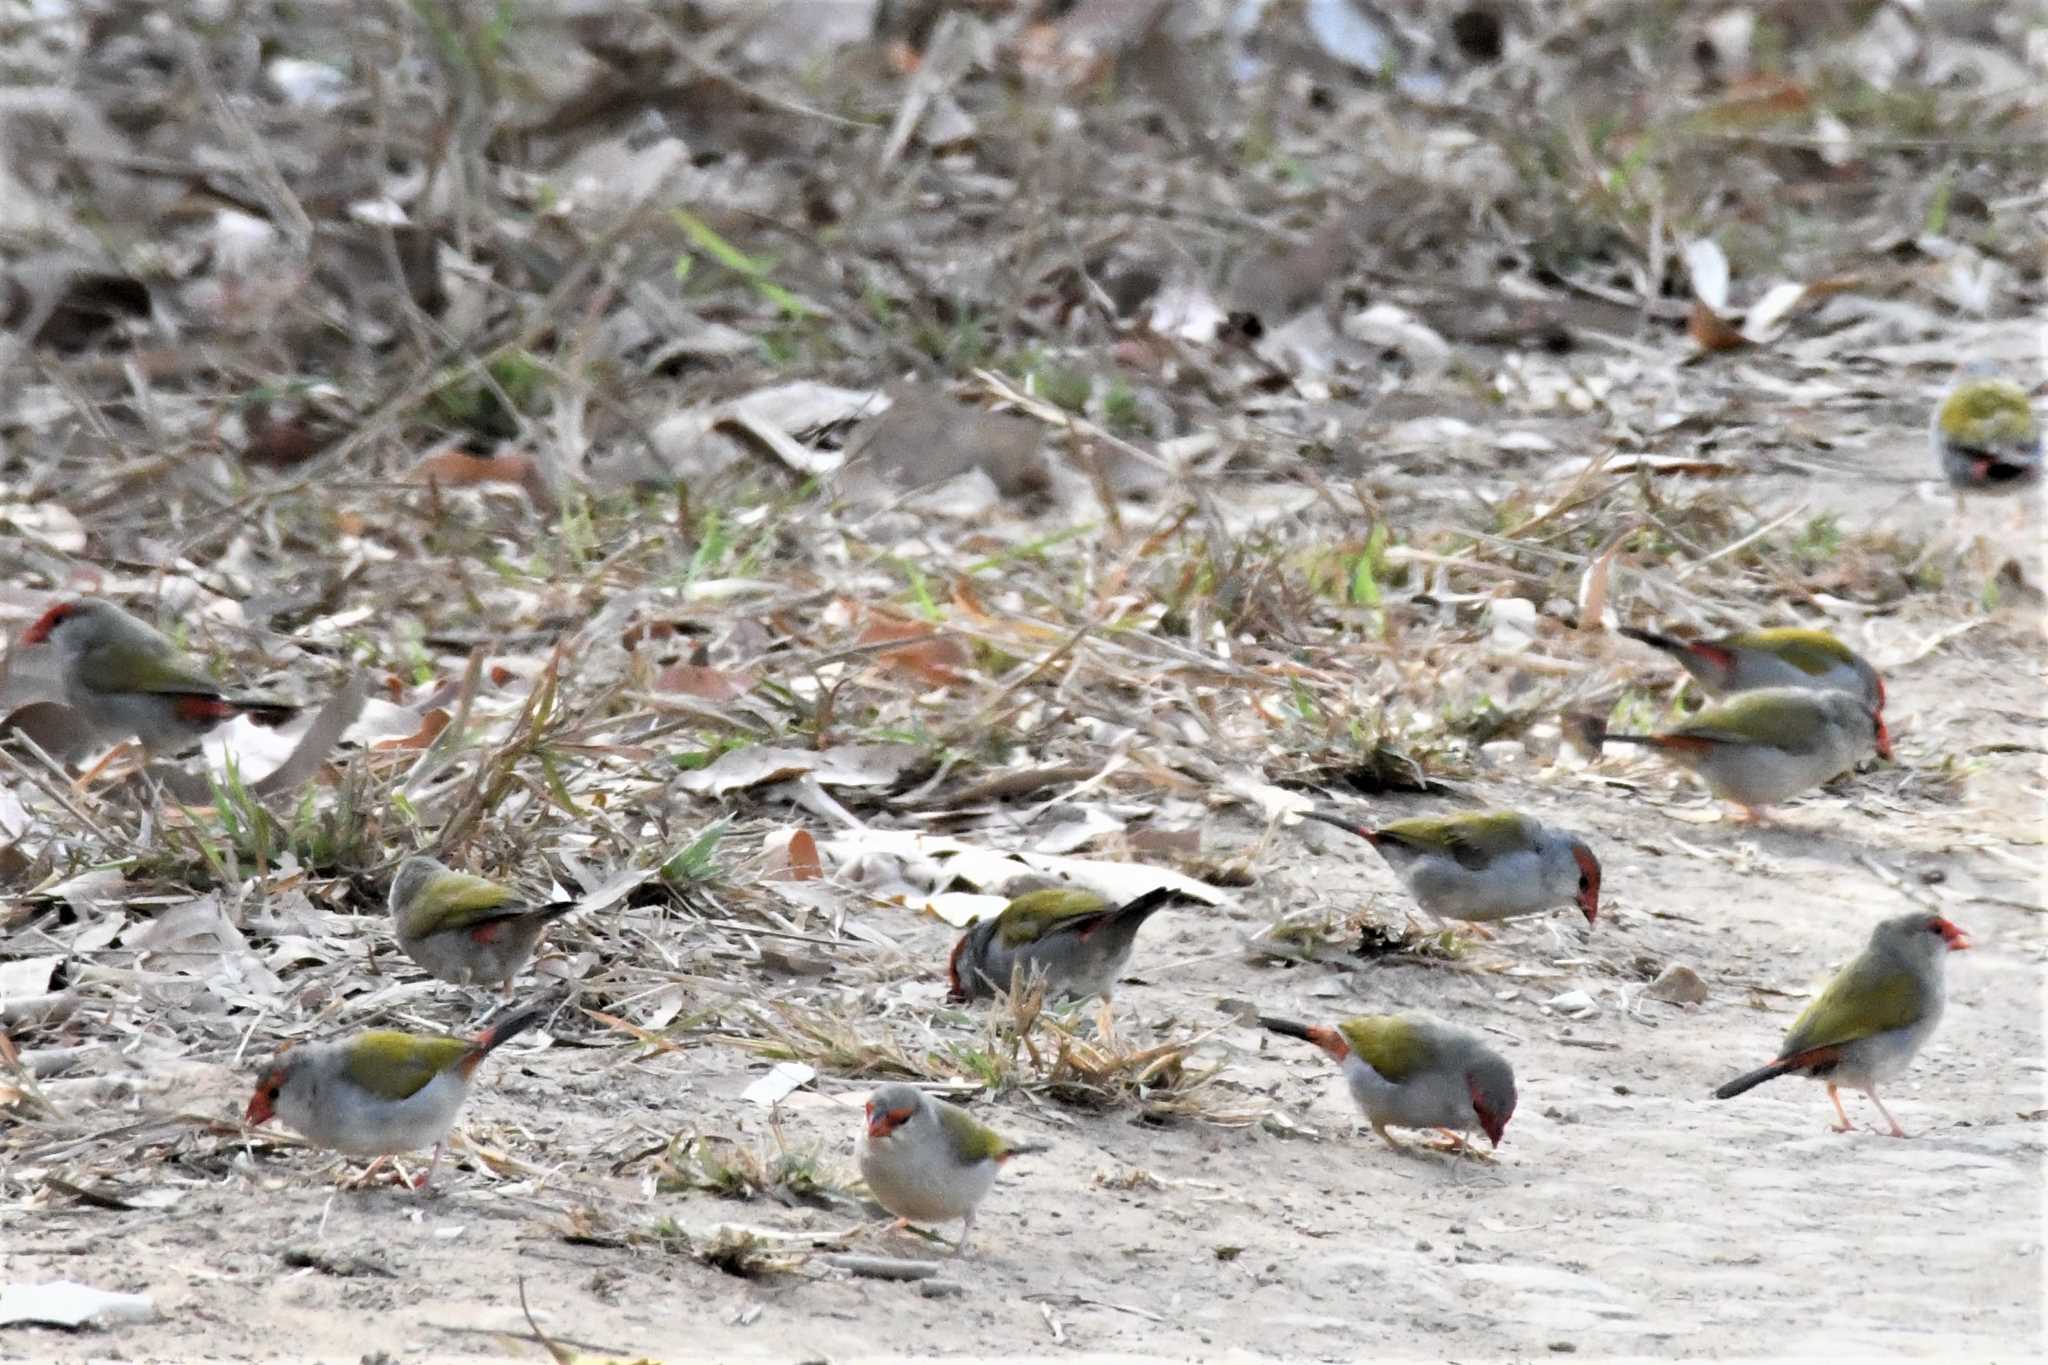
[(1228, 560)]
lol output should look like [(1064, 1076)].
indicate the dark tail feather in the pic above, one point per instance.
[(553, 910), (269, 714), (1285, 1027), (1137, 911), (1652, 639), (1023, 1149), (1751, 1081), (1348, 826), (506, 1029), (1798, 1061)]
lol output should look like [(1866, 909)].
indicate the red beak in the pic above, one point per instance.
[(887, 1121), (1884, 738), (259, 1110), (1957, 940)]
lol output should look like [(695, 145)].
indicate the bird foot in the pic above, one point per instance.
[(124, 759), (1456, 1144), (398, 1175)]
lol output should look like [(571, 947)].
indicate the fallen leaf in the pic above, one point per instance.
[(67, 1303), (431, 726), (849, 765), (782, 1078), (931, 657), (1711, 332), (704, 682), (460, 469)]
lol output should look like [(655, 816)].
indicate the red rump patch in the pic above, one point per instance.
[(47, 622), (1691, 743), (488, 933), (1825, 1055), (197, 708), (1720, 658), (956, 991)]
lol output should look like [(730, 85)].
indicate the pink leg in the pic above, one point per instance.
[(1896, 1130), (1844, 1126)]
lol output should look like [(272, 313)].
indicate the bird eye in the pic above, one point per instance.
[(1585, 882)]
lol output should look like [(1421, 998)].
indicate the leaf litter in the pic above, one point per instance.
[(781, 560)]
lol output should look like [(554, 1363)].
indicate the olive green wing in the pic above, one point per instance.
[(1389, 1044), (970, 1141), (457, 900), (1476, 840), (1028, 918), (121, 665), (1868, 997), (1813, 652), (1785, 719), (396, 1066)]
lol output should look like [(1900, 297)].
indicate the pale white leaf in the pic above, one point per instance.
[(67, 1303), (1767, 315), (1707, 268), (781, 1079)]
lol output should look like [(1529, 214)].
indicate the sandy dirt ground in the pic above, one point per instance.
[(1628, 1213)]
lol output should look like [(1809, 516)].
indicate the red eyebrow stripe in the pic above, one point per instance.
[(44, 624), (203, 708)]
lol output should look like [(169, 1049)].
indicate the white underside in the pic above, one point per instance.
[(1439, 1099), (1510, 885), (461, 961), (1762, 775), (923, 1186), (335, 1112), (1882, 1057)]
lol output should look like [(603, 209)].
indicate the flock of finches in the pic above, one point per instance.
[(1792, 709)]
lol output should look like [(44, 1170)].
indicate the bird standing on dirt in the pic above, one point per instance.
[(1484, 865), (1412, 1071), (126, 681), (1985, 435), (1757, 749), (1867, 1024), (1077, 940), (465, 930), (381, 1093), (1784, 657), (927, 1161)]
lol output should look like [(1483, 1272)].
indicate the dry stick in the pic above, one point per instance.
[(940, 69), (883, 1267), (1735, 545), (442, 751), (430, 377), (503, 765), (39, 1010), (1060, 417), (56, 793), (982, 718), (283, 202), (1567, 500)]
